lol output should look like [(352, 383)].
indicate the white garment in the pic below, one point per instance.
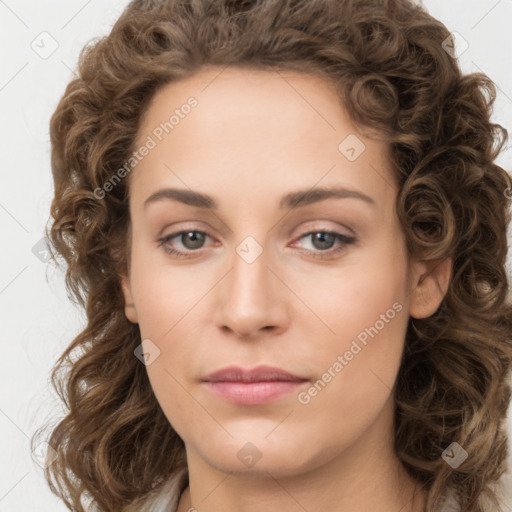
[(173, 490), (167, 498)]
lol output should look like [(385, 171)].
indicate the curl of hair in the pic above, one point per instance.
[(385, 59)]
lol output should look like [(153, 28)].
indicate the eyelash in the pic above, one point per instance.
[(346, 240)]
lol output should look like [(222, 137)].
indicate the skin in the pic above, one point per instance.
[(254, 137)]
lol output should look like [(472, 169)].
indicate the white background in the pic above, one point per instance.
[(38, 321)]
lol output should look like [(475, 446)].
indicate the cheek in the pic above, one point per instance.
[(366, 313), (167, 308), (355, 295), (358, 364), (169, 305), (163, 294)]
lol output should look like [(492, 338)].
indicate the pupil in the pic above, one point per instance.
[(196, 239), (323, 240)]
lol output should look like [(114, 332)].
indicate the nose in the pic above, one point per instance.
[(251, 300)]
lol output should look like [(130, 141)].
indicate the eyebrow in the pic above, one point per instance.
[(289, 201)]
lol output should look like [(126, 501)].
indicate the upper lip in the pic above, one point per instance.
[(257, 374)]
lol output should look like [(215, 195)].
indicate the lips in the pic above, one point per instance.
[(258, 374), (251, 387)]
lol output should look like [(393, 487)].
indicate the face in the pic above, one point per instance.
[(268, 272)]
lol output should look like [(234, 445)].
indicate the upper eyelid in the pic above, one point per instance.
[(350, 232)]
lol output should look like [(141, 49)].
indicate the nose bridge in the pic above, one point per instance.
[(249, 299), (250, 276)]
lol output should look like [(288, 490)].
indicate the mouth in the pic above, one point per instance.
[(257, 386)]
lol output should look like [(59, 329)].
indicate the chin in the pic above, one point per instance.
[(259, 456)]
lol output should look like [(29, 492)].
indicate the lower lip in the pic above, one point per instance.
[(253, 393)]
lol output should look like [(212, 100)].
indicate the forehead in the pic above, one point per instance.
[(249, 94), (259, 127)]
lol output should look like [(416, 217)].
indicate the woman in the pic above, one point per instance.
[(287, 228)]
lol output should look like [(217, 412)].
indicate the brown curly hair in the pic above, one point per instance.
[(386, 60)]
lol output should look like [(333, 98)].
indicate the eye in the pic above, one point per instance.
[(190, 239), (322, 243)]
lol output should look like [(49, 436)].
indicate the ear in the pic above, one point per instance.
[(129, 306), (430, 284)]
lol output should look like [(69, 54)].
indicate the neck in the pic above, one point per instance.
[(274, 495)]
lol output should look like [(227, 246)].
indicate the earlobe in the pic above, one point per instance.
[(129, 306), (430, 287)]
